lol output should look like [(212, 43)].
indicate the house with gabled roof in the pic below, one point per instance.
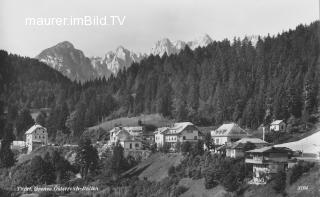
[(230, 132), (125, 138), (267, 161), (178, 133), (159, 136), (278, 125), (237, 149), (36, 136), (134, 130)]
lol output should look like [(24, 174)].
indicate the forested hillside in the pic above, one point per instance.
[(29, 84), (225, 81), (228, 81)]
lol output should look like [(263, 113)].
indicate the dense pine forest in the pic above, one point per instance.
[(228, 81), (277, 78)]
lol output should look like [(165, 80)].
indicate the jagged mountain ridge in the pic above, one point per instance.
[(166, 46), (114, 61), (72, 62)]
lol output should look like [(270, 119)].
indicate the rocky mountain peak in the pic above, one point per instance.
[(65, 44)]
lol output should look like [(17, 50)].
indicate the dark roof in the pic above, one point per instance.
[(270, 149)]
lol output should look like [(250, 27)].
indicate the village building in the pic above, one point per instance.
[(134, 130), (278, 125), (36, 136), (159, 136), (18, 145), (148, 137), (237, 149), (267, 161), (226, 133), (125, 139), (178, 133)]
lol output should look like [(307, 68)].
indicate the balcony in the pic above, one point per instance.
[(256, 160), (265, 160)]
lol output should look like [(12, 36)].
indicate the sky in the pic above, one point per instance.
[(146, 21)]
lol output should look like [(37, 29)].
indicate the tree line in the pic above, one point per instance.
[(278, 78)]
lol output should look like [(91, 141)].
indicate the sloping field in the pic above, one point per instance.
[(154, 119), (197, 188), (310, 144), (67, 152), (155, 168), (260, 191), (307, 185)]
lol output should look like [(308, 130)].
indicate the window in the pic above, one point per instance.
[(130, 146), (217, 141), (137, 145), (195, 137), (184, 137)]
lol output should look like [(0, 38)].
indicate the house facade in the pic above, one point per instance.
[(18, 145), (36, 136), (125, 139), (237, 149), (178, 133), (267, 161), (159, 136), (278, 125), (134, 130), (227, 133)]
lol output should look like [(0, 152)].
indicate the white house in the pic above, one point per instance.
[(36, 136), (228, 133), (124, 137), (159, 136), (19, 145), (179, 132), (134, 131), (278, 125)]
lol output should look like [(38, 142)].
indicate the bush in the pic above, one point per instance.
[(210, 180), (179, 190), (153, 148), (296, 172), (230, 182), (279, 182), (165, 148), (197, 174), (186, 147), (171, 170), (197, 148)]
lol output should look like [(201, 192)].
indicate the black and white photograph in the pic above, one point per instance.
[(160, 98)]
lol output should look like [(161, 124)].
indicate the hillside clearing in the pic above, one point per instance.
[(197, 188), (67, 152), (309, 181), (154, 119), (155, 168)]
